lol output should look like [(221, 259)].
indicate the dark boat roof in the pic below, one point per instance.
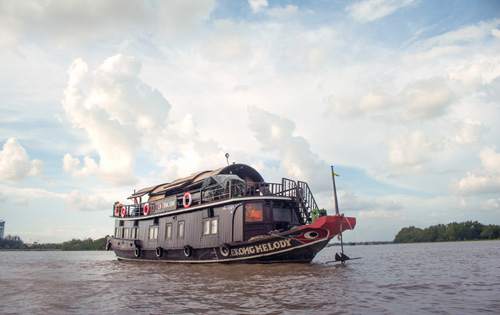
[(243, 171), (144, 191)]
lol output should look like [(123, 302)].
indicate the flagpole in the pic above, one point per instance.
[(335, 192), (337, 212)]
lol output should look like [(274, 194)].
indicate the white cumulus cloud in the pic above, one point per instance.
[(121, 114), (15, 163), (258, 5), (70, 164), (116, 114), (275, 134), (481, 181), (471, 131), (71, 22), (371, 10), (78, 201), (426, 99), (495, 32), (409, 153), (373, 101)]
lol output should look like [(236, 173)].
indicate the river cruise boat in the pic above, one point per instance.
[(227, 215)]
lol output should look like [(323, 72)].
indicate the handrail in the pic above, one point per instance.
[(299, 191)]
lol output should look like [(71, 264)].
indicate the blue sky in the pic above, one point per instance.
[(100, 98)]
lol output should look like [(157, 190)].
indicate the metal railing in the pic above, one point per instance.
[(299, 191)]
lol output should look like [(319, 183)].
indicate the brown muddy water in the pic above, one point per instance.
[(436, 278)]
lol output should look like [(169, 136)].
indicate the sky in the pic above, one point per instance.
[(98, 98)]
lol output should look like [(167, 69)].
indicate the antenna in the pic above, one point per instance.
[(227, 158)]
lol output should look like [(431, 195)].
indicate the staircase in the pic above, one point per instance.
[(307, 203), (304, 199)]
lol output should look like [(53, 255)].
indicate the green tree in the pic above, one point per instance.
[(11, 242), (408, 235), (454, 231)]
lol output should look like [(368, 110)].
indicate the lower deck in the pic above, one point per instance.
[(208, 227)]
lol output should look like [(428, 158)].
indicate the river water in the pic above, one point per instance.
[(434, 278)]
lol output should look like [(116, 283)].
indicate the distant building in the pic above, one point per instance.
[(2, 228)]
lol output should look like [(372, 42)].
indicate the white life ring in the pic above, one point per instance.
[(146, 209), (189, 199)]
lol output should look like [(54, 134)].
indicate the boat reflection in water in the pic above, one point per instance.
[(226, 215)]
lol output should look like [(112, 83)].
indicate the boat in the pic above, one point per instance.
[(223, 216)]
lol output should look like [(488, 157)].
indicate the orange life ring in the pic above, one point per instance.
[(123, 211), (146, 209), (189, 200)]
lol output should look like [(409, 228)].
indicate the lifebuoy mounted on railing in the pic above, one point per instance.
[(117, 210), (146, 209), (123, 211), (187, 200)]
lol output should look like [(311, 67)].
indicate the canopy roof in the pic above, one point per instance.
[(143, 191), (244, 172)]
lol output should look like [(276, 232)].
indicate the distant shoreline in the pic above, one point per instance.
[(392, 242), (49, 250)]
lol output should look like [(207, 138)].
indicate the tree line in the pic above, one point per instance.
[(15, 242), (86, 244), (465, 231)]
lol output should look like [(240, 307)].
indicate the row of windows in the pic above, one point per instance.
[(254, 212), (121, 232), (210, 228)]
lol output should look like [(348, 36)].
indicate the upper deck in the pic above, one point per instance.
[(232, 183)]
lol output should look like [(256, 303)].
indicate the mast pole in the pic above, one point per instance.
[(337, 212), (335, 192)]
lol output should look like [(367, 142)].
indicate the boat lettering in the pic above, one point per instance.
[(261, 248), (168, 204)]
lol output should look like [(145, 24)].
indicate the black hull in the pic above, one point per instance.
[(298, 245), (302, 254), (288, 247)]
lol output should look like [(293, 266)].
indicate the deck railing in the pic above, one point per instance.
[(299, 191)]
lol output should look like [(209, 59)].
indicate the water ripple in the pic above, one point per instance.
[(389, 279)]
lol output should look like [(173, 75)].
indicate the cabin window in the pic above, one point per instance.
[(254, 212), (153, 232), (168, 231), (206, 227), (134, 232), (125, 233), (180, 229), (214, 227), (119, 232), (282, 215), (210, 226)]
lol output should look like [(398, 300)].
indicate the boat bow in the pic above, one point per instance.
[(335, 224)]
